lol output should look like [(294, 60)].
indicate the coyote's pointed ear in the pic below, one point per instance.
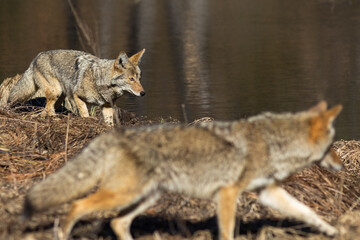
[(332, 113), (136, 58), (320, 107), (320, 124), (121, 61)]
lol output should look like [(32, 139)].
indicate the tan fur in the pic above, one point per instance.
[(277, 198), (226, 210), (136, 57), (319, 124), (320, 107), (332, 161), (6, 87), (134, 166), (81, 105), (335, 157)]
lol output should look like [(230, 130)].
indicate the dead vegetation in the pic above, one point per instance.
[(6, 86), (32, 147)]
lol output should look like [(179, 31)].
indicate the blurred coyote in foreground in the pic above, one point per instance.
[(132, 167), (79, 76)]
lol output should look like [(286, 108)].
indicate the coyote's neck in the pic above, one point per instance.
[(99, 69)]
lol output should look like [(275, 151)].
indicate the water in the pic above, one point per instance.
[(223, 59)]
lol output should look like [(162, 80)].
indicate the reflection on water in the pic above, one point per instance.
[(224, 59), (189, 20)]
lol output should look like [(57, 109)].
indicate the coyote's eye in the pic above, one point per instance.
[(132, 79)]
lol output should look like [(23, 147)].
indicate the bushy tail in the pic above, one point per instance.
[(75, 179), (6, 87), (24, 88)]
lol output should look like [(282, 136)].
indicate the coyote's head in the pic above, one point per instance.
[(321, 134), (126, 74), (331, 161)]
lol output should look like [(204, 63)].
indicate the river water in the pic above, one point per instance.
[(222, 59)]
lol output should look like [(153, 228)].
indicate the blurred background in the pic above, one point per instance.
[(222, 59)]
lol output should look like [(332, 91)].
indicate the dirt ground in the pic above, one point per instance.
[(32, 147)]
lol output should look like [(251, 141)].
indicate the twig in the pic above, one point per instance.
[(67, 137), (201, 120), (91, 40), (35, 134), (356, 203), (14, 119), (184, 113)]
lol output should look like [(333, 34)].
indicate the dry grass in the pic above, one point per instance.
[(6, 86), (32, 147)]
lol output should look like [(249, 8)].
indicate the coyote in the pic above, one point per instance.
[(81, 77), (132, 167)]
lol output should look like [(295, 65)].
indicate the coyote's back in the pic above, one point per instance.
[(132, 167)]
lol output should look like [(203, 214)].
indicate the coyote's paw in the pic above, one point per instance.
[(329, 230), (46, 113)]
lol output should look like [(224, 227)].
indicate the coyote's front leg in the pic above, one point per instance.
[(226, 211), (108, 113), (277, 198)]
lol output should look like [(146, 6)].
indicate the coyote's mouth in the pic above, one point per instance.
[(139, 94)]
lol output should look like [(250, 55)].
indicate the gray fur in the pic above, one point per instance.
[(79, 76)]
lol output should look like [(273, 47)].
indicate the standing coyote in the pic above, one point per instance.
[(132, 167), (81, 77)]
